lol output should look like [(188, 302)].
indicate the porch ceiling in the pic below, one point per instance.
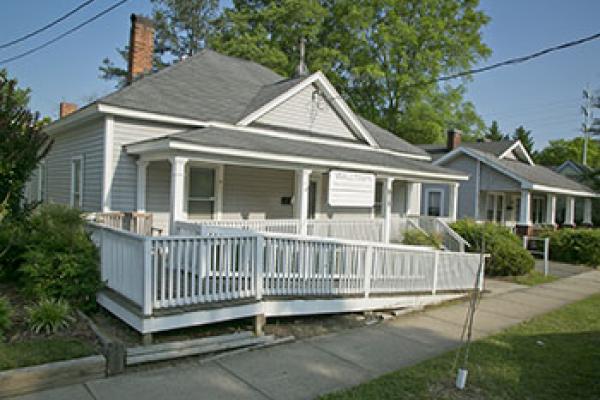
[(246, 144)]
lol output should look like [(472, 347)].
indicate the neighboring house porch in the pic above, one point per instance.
[(506, 187)]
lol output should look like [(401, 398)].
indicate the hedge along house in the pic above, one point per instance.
[(506, 186), (216, 138)]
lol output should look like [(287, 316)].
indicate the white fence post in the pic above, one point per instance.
[(147, 276), (259, 265), (368, 267), (546, 255), (525, 241), (436, 261)]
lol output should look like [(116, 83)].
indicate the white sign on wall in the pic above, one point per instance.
[(351, 189)]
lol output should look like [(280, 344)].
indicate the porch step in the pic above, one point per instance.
[(215, 344)]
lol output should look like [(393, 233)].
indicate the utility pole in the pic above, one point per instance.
[(588, 119)]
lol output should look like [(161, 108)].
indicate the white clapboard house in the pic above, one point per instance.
[(213, 173)]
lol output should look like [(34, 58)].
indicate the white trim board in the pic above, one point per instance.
[(268, 308), (522, 148), (170, 144)]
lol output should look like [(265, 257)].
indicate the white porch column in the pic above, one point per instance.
[(301, 198), (219, 176), (413, 199), (177, 190), (551, 209), (142, 168), (453, 201), (525, 217), (570, 211), (387, 208), (587, 211)]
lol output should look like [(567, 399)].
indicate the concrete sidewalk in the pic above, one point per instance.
[(308, 368)]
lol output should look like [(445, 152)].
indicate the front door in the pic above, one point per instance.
[(312, 200)]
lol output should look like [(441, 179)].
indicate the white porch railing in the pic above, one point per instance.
[(174, 271), (365, 229), (436, 225)]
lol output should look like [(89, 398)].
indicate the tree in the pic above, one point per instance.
[(22, 145), (559, 151), (383, 56), (494, 134), (525, 137), (181, 26)]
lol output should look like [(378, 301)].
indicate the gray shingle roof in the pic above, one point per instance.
[(212, 87), (536, 174), (437, 150), (497, 148), (207, 86), (387, 140), (235, 139)]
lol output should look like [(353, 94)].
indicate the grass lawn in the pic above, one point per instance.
[(40, 351), (554, 356), (534, 278)]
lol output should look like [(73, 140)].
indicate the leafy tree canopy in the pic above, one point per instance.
[(22, 145), (383, 56), (561, 150), (525, 137)]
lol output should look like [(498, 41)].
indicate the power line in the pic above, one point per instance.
[(512, 61), (43, 28), (62, 35)]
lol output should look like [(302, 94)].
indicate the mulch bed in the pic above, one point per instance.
[(20, 332)]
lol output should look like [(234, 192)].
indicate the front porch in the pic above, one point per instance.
[(528, 210), (286, 199)]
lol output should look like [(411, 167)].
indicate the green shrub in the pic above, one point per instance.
[(507, 255), (576, 246), (60, 261), (49, 315), (5, 316), (12, 248), (415, 237)]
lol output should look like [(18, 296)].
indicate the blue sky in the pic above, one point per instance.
[(544, 94)]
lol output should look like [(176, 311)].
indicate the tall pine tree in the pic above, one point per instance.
[(525, 137)]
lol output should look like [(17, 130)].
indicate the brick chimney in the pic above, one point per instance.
[(141, 47), (454, 139), (67, 108)]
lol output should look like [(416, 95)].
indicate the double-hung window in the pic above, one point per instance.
[(201, 192), (42, 181), (77, 182)]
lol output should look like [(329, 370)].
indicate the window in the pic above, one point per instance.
[(433, 207), (495, 207), (201, 192), (378, 206), (538, 206), (77, 182), (42, 181)]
